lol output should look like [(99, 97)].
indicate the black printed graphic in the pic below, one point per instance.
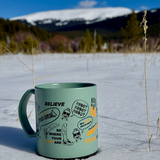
[(60, 134), (54, 103), (37, 106), (79, 109), (37, 131), (92, 126), (66, 114), (48, 116), (76, 134), (51, 127), (93, 102), (66, 141), (85, 123), (93, 107), (56, 136)]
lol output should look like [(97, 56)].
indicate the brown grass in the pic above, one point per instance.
[(32, 70), (145, 27)]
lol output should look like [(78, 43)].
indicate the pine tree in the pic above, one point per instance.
[(89, 41), (132, 32), (82, 46), (60, 47), (3, 35), (13, 47), (99, 43), (2, 47), (35, 43), (68, 48), (28, 44)]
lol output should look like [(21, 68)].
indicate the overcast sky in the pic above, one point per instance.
[(14, 8)]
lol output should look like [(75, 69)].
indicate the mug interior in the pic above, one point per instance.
[(64, 85)]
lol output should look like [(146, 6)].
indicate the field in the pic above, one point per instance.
[(122, 119)]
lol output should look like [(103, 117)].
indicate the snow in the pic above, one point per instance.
[(46, 21), (154, 10), (61, 23), (122, 121), (88, 14)]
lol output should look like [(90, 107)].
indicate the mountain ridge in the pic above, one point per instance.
[(108, 28), (62, 17)]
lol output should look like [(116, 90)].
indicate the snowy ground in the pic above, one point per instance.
[(123, 133)]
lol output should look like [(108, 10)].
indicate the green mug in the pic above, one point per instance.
[(66, 119)]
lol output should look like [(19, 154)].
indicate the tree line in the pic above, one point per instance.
[(18, 37)]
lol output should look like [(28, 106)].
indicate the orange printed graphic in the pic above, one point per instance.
[(44, 113), (49, 141), (92, 130), (87, 140), (87, 120), (93, 111)]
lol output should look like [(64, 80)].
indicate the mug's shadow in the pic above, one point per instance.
[(17, 139)]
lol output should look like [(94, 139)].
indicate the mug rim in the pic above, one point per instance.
[(65, 85)]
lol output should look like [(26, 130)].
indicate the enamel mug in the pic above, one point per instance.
[(66, 119)]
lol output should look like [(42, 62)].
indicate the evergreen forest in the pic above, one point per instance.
[(19, 37)]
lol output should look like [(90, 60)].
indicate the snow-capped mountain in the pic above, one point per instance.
[(63, 17)]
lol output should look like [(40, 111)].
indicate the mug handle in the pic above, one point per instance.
[(22, 111)]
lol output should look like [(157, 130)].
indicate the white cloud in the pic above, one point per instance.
[(144, 7), (87, 3)]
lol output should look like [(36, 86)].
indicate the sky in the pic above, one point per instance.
[(15, 8)]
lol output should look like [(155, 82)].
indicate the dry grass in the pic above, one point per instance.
[(158, 125), (32, 70), (158, 48), (18, 59), (145, 27)]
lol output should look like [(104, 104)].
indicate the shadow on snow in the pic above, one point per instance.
[(17, 139)]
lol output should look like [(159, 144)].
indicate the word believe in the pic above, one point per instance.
[(54, 103)]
